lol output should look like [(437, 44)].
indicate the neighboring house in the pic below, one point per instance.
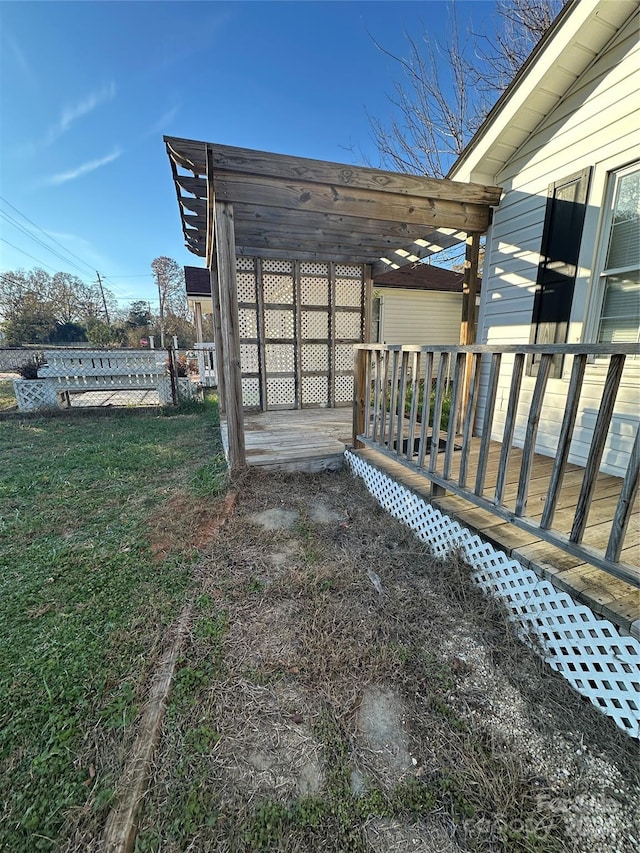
[(563, 253), (417, 304)]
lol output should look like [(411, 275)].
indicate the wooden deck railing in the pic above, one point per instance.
[(418, 406)]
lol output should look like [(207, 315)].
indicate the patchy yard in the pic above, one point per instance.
[(339, 689), (85, 601), (343, 691), (7, 397)]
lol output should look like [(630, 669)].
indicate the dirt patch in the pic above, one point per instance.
[(330, 716), (188, 522)]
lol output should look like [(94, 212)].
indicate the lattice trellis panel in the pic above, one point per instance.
[(344, 389), (348, 325), (344, 357), (31, 394), (352, 270), (314, 268), (279, 358), (278, 288), (589, 652), (348, 293), (315, 390), (269, 265), (244, 264), (246, 286), (278, 323), (315, 324), (281, 391), (314, 291), (249, 358), (250, 392), (315, 357), (247, 323)]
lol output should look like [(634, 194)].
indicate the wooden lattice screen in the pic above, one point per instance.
[(298, 321)]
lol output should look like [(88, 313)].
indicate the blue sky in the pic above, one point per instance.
[(89, 88)]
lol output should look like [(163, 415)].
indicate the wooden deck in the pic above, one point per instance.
[(314, 440), (310, 440)]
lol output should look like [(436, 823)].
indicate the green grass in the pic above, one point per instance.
[(83, 602), (7, 397)]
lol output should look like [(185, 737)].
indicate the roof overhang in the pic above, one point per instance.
[(579, 34), (291, 207)]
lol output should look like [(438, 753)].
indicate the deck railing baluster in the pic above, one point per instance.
[(443, 372), (426, 406), (469, 417), (625, 503), (509, 425), (564, 440), (416, 358), (533, 420), (605, 412), (393, 396), (402, 398), (452, 428), (489, 408)]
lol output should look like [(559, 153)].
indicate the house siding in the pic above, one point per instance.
[(595, 125), (420, 317)]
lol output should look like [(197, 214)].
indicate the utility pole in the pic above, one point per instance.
[(104, 301)]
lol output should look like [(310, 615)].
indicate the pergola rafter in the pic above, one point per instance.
[(267, 205)]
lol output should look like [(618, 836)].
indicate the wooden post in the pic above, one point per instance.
[(197, 313), (360, 389), (468, 317), (217, 333), (226, 257), (368, 303)]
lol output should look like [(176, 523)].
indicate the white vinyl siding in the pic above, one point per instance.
[(596, 124), (420, 316)]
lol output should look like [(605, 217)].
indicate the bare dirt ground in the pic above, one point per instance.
[(344, 691)]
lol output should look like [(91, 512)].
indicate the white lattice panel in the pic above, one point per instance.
[(250, 393), (278, 324), (314, 291), (314, 268), (277, 288), (279, 358), (348, 293), (343, 389), (315, 357), (589, 652), (344, 357), (315, 390), (244, 264), (353, 270), (281, 391), (31, 394), (347, 325), (246, 285), (269, 265), (247, 323), (315, 324), (249, 358)]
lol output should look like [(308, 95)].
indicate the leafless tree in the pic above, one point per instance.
[(172, 298), (448, 87)]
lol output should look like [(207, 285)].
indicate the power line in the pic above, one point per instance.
[(53, 239), (37, 260), (40, 242)]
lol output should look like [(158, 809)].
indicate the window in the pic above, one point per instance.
[(559, 251), (620, 275)]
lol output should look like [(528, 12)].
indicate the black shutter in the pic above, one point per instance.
[(561, 238)]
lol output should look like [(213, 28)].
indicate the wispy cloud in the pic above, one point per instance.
[(84, 169), (162, 122), (20, 58), (71, 114)]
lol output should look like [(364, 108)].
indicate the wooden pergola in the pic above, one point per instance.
[(239, 202)]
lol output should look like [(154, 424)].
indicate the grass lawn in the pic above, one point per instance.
[(85, 599), (7, 397)]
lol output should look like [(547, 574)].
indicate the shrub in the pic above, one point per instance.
[(28, 369)]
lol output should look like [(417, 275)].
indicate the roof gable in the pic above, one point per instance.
[(578, 36)]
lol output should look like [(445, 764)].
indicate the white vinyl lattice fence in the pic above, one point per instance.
[(588, 651)]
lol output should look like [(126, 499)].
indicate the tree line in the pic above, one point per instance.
[(39, 308)]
